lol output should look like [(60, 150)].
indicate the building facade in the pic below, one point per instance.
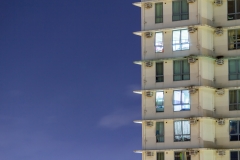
[(190, 74)]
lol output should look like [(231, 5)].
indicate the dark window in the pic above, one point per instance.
[(234, 130), (181, 70), (234, 39), (234, 69), (233, 9), (182, 156), (235, 155), (159, 72), (160, 155), (159, 131), (158, 12), (234, 100), (180, 10), (182, 131)]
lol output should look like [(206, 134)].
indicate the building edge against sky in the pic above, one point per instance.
[(190, 75)]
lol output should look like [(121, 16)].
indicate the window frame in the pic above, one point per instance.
[(159, 105), (234, 134), (159, 75), (236, 105), (182, 74), (156, 45), (182, 104), (156, 16), (181, 13), (182, 140), (236, 41), (235, 12), (237, 66), (188, 157), (181, 41), (237, 152), (159, 136), (160, 153)]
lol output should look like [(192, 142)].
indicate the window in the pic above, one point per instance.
[(160, 155), (234, 39), (234, 69), (233, 9), (182, 156), (158, 42), (181, 100), (159, 72), (182, 131), (158, 12), (180, 10), (159, 131), (181, 70), (159, 102), (180, 40), (234, 130), (234, 100), (235, 155)]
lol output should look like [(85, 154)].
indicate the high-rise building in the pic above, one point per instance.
[(190, 65)]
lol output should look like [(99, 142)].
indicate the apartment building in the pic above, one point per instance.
[(190, 74)]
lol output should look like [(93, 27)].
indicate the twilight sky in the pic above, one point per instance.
[(67, 79)]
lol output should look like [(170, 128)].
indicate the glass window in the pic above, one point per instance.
[(181, 100), (233, 9), (159, 102), (235, 155), (159, 42), (182, 156), (234, 69), (181, 70), (159, 72), (234, 100), (234, 130), (159, 12), (182, 131), (159, 131), (180, 10), (234, 39), (180, 40)]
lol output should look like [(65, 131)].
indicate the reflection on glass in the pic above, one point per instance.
[(159, 102), (181, 100), (180, 40), (159, 42)]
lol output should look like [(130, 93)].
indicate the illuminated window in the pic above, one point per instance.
[(234, 130), (234, 100), (180, 40), (181, 70), (233, 9), (159, 131), (182, 131), (158, 42), (182, 156), (159, 102), (159, 72), (181, 100), (180, 10), (159, 12)]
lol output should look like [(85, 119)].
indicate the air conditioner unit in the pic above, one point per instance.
[(218, 31), (148, 5), (148, 64), (221, 122), (193, 121), (192, 59), (149, 94), (190, 1), (149, 123), (220, 61), (149, 153), (220, 91), (191, 29), (218, 2), (148, 34), (192, 90), (192, 152), (221, 153)]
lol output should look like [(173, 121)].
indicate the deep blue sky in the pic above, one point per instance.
[(67, 78)]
